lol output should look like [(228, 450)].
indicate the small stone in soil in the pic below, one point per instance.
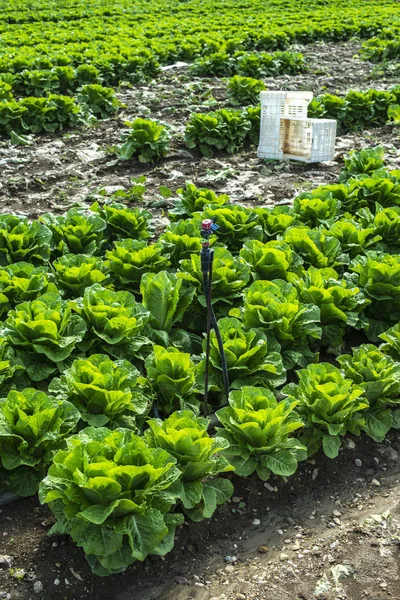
[(229, 568), (236, 499), (240, 597), (56, 582), (256, 522), (6, 561), (263, 549), (230, 559), (358, 462), (38, 587), (283, 557), (376, 482), (314, 474)]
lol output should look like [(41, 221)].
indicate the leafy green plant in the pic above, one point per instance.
[(181, 239), (76, 232), (274, 307), (167, 298), (105, 391), (339, 301), (258, 429), (116, 321), (112, 494), (236, 224), (32, 425), (359, 162), (197, 455), (387, 225), (272, 260), (379, 276), (22, 281), (379, 376), (391, 337), (192, 199), (230, 277), (146, 139), (98, 100), (368, 191), (11, 368), (354, 239), (171, 373), (21, 240), (130, 259), (315, 211), (316, 248), (123, 222), (251, 357), (244, 90), (276, 220), (224, 129), (330, 406), (75, 272), (44, 332)]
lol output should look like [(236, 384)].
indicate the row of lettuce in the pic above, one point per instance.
[(66, 80), (102, 352), (130, 39)]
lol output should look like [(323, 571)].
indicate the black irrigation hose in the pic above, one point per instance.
[(207, 278)]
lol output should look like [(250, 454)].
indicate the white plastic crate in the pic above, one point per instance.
[(287, 133)]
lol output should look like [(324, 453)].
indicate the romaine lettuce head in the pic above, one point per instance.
[(316, 248), (276, 220), (167, 297), (103, 390), (124, 222), (181, 239), (230, 276), (171, 373), (130, 259), (198, 457), (112, 494), (316, 211), (32, 425), (250, 357), (329, 404), (76, 232), (379, 276), (22, 281), (236, 224), (273, 260), (21, 240), (339, 301), (257, 428), (75, 272), (379, 376), (115, 318), (274, 307), (192, 199), (45, 327)]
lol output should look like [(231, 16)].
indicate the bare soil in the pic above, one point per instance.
[(333, 530)]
